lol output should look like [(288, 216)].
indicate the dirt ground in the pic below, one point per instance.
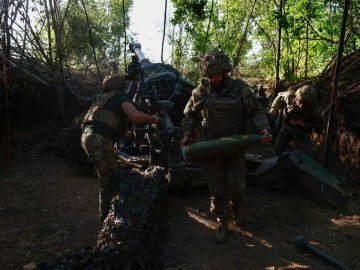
[(48, 208)]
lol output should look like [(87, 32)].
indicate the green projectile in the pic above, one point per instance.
[(222, 147)]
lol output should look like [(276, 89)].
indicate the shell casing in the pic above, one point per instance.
[(220, 148)]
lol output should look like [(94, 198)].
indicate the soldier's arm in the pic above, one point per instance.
[(190, 118), (315, 121), (137, 116), (253, 109), (279, 102), (191, 122)]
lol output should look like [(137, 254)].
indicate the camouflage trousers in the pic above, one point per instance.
[(298, 136), (101, 152), (227, 184)]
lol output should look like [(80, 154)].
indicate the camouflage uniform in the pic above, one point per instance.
[(310, 114), (103, 124), (219, 114), (283, 99)]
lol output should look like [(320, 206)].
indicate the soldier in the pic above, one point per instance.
[(103, 125), (219, 107), (301, 115), (113, 83)]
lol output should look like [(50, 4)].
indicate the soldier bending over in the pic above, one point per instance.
[(301, 115), (103, 125)]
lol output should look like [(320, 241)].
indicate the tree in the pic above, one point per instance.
[(309, 37)]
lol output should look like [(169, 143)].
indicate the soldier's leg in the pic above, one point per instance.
[(101, 152), (301, 139), (283, 139), (235, 169), (215, 173)]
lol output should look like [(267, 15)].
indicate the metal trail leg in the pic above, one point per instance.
[(303, 244)]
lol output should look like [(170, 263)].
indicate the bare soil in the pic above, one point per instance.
[(49, 208)]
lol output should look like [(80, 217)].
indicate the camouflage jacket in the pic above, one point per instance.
[(283, 100), (224, 113), (311, 116), (105, 116)]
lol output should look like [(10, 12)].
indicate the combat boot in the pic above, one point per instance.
[(235, 225), (238, 213), (104, 209), (221, 233), (238, 219)]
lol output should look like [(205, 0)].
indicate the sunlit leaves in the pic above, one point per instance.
[(310, 33)]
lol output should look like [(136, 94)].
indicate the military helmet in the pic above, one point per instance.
[(306, 95), (215, 62), (113, 82)]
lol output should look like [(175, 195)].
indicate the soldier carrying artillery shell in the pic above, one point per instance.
[(219, 107)]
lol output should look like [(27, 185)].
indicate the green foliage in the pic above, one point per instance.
[(310, 33), (246, 29), (227, 24), (193, 9), (106, 24)]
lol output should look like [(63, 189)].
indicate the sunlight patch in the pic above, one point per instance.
[(292, 265), (346, 221), (213, 225), (208, 223)]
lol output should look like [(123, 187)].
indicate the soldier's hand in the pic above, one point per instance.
[(297, 122), (154, 120), (273, 112), (267, 136), (185, 141)]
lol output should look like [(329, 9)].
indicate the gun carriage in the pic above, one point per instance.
[(157, 88)]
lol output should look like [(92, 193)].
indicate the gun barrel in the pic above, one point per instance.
[(220, 148), (136, 48)]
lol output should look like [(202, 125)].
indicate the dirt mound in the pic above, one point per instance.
[(37, 98), (346, 144)]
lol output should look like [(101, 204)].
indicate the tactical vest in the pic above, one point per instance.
[(223, 113), (105, 116)]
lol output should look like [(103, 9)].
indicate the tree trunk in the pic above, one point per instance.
[(91, 40), (243, 38), (6, 55), (59, 50), (6, 30), (335, 94), (307, 50), (48, 22), (277, 77), (208, 27)]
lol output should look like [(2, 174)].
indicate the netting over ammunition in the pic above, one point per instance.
[(131, 234), (133, 223)]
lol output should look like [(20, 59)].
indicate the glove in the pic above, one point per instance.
[(186, 140)]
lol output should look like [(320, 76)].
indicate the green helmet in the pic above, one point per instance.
[(114, 82), (306, 95), (215, 62)]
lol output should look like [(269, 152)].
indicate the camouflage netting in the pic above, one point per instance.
[(131, 234), (133, 224)]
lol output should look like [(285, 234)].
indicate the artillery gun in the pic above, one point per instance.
[(157, 88)]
